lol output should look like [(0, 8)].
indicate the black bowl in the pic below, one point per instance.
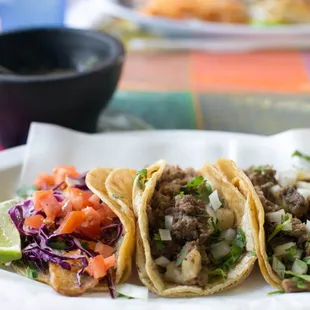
[(63, 76)]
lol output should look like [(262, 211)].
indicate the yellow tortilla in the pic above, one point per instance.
[(105, 183), (243, 183), (148, 270)]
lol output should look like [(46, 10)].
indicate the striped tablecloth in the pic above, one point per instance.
[(260, 92)]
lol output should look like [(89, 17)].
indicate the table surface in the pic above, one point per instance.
[(259, 92)]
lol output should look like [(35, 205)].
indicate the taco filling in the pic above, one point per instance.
[(286, 202), (193, 234), (68, 234)]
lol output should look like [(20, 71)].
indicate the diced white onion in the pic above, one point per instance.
[(211, 212), (308, 226), (278, 267), (229, 234), (215, 200), (162, 261), (275, 217), (304, 192), (281, 250), (302, 184), (134, 291), (168, 221), (288, 225), (165, 235), (298, 253), (300, 267), (287, 178), (275, 189), (220, 249)]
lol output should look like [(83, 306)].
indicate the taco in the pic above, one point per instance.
[(77, 230), (194, 231), (282, 211)]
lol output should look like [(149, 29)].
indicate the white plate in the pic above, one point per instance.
[(49, 145)]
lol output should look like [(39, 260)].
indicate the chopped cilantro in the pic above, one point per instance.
[(198, 187), (218, 272), (261, 169), (240, 240), (159, 244), (25, 191), (307, 260), (58, 245), (279, 227), (276, 292), (181, 194), (238, 246), (117, 196), (252, 253), (119, 295), (141, 176), (300, 276), (85, 245), (32, 271), (301, 155), (300, 283), (181, 256)]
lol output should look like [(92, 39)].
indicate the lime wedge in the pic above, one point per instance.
[(10, 248)]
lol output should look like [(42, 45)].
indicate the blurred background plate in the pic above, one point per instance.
[(126, 9)]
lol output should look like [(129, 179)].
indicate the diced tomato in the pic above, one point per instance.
[(61, 172), (66, 208), (95, 201), (34, 221), (104, 249), (44, 181), (108, 212), (45, 200), (110, 261), (91, 225), (71, 222), (96, 267), (79, 198), (104, 220)]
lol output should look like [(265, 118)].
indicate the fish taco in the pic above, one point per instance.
[(194, 231), (77, 230), (282, 202)]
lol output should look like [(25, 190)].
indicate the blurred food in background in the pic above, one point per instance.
[(224, 11), (280, 11), (230, 11)]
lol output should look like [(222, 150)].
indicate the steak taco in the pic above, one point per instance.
[(77, 230), (282, 203), (194, 235)]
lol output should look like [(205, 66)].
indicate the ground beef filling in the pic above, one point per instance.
[(190, 226), (289, 199)]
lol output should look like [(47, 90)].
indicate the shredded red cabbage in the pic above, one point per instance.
[(38, 243), (111, 283)]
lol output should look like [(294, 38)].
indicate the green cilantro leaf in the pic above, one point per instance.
[(141, 176), (300, 283), (119, 295), (301, 155), (85, 245), (159, 244), (32, 271), (276, 292), (307, 260), (25, 191), (240, 240), (252, 253), (181, 256), (261, 169), (218, 272), (300, 276), (198, 187), (58, 245), (117, 196)]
